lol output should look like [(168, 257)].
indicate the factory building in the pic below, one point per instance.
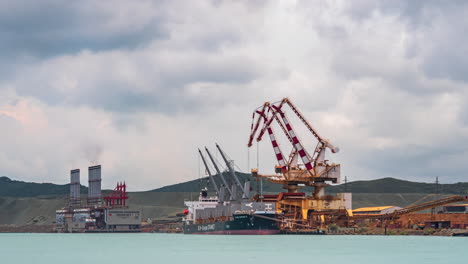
[(100, 214), (121, 220)]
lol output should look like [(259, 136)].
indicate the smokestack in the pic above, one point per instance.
[(75, 188), (94, 180)]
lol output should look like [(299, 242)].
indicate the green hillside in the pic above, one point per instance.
[(12, 188), (392, 185), (35, 203), (196, 185), (41, 210), (163, 205), (385, 185)]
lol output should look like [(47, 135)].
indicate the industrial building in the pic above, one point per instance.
[(99, 214), (456, 209)]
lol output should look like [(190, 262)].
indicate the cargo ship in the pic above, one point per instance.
[(231, 211), (210, 215)]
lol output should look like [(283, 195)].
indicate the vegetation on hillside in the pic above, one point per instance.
[(392, 185), (385, 185), (12, 188)]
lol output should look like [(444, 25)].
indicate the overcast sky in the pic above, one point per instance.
[(137, 86)]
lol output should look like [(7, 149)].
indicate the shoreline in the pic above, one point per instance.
[(11, 228)]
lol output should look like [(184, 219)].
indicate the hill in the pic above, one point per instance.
[(35, 203), (197, 184), (385, 185), (162, 205), (392, 185), (13, 188)]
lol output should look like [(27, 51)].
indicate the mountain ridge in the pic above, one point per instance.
[(16, 188), (383, 185)]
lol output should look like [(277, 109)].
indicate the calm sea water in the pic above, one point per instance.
[(177, 248)]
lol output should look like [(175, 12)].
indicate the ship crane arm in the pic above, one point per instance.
[(218, 171), (233, 173), (208, 171)]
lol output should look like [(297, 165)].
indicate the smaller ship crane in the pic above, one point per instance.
[(209, 172), (225, 184), (244, 189)]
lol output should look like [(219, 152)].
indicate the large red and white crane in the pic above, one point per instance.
[(262, 113), (316, 170)]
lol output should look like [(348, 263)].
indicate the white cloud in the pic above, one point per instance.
[(370, 76)]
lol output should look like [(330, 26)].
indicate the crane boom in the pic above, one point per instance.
[(208, 171), (233, 173), (218, 171), (317, 169), (262, 115), (296, 142), (325, 142), (322, 143), (266, 124), (255, 125), (283, 128)]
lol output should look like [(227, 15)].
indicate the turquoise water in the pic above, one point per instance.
[(177, 248)]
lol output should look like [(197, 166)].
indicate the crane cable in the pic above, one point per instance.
[(248, 160), (258, 156)]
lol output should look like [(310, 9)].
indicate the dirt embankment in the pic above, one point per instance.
[(396, 232), (26, 228)]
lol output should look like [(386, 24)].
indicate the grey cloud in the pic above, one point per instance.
[(378, 78), (49, 28), (419, 162), (157, 83), (165, 59), (445, 55), (436, 32), (414, 13)]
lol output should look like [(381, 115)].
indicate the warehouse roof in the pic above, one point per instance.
[(375, 208), (457, 205)]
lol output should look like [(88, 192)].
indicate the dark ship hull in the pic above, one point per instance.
[(242, 224)]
